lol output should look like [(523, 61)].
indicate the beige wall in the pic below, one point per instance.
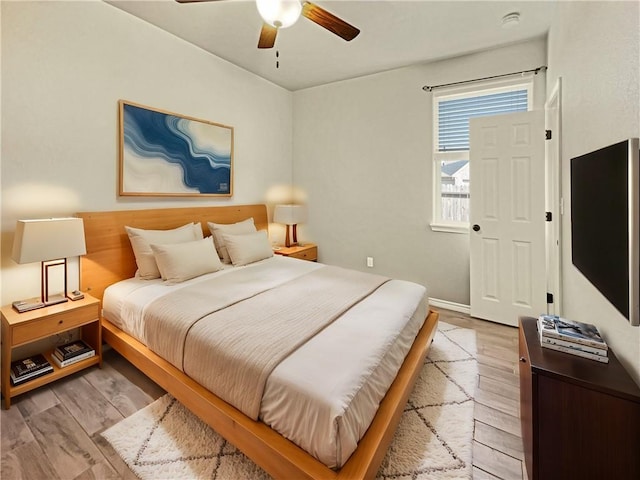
[(593, 47), (64, 67), (362, 161)]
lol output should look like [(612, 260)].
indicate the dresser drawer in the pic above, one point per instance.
[(55, 323), (308, 254)]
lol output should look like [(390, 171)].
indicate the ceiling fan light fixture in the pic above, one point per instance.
[(279, 13)]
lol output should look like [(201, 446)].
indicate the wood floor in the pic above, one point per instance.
[(54, 432), (497, 445)]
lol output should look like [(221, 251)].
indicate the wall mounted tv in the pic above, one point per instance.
[(605, 211)]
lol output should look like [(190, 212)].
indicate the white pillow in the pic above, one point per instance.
[(141, 241), (219, 229), (178, 262), (248, 248)]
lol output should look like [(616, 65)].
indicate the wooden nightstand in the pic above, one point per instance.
[(23, 328), (308, 251)]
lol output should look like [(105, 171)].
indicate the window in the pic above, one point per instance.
[(452, 110)]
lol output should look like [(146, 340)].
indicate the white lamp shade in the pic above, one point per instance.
[(279, 13), (290, 214), (48, 239)]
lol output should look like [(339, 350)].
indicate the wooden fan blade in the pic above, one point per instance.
[(329, 21), (267, 36)]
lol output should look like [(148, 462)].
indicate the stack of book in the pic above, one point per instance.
[(569, 336), (70, 353), (29, 368)]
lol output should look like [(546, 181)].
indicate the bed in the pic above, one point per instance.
[(110, 261)]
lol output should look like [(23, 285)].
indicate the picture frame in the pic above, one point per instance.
[(166, 154)]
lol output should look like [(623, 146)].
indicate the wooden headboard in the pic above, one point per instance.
[(109, 257)]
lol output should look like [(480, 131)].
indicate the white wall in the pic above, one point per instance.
[(593, 46), (363, 163), (64, 67)]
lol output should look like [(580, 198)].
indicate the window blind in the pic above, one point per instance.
[(454, 115)]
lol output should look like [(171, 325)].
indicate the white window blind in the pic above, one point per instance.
[(454, 115)]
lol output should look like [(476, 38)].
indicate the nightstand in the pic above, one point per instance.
[(308, 251), (23, 328)]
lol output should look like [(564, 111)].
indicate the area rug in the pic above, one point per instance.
[(433, 441)]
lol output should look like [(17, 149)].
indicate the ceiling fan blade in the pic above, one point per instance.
[(267, 36), (329, 21)]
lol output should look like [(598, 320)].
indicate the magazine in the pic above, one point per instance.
[(571, 331), (576, 346), (576, 352)]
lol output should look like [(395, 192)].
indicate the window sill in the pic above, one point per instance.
[(449, 228)]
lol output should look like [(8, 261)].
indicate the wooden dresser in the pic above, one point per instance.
[(580, 418)]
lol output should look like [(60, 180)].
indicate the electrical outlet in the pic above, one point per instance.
[(370, 262)]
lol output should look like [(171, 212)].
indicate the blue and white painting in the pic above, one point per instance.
[(162, 153)]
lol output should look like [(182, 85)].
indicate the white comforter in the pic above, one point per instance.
[(324, 395)]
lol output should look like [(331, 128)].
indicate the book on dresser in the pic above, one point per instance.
[(569, 336), (72, 350), (29, 368)]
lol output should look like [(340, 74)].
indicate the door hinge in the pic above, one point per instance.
[(547, 216), (549, 297), (547, 134)]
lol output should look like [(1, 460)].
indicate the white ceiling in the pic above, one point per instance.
[(393, 34)]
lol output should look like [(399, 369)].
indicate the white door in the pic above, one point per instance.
[(553, 229), (507, 249)]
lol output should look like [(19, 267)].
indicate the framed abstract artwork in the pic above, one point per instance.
[(167, 154)]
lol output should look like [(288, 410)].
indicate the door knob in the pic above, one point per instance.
[(476, 227)]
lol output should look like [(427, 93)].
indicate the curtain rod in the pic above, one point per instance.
[(428, 88)]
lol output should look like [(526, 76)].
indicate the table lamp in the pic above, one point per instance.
[(49, 241), (290, 215)]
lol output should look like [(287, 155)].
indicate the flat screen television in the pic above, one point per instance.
[(604, 223)]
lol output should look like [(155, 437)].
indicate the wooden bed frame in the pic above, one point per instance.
[(110, 259)]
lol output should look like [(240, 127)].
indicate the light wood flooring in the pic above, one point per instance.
[(54, 432), (497, 445)]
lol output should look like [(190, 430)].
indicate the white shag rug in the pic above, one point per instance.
[(433, 441)]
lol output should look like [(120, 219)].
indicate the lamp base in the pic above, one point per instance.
[(22, 306), (26, 305), (55, 299), (287, 242)]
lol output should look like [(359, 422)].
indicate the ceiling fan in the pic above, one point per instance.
[(284, 13)]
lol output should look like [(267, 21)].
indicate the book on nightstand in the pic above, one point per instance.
[(568, 336), (22, 306), (72, 350), (577, 346), (29, 368), (72, 360), (577, 352)]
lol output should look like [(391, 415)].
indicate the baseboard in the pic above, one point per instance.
[(456, 307)]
